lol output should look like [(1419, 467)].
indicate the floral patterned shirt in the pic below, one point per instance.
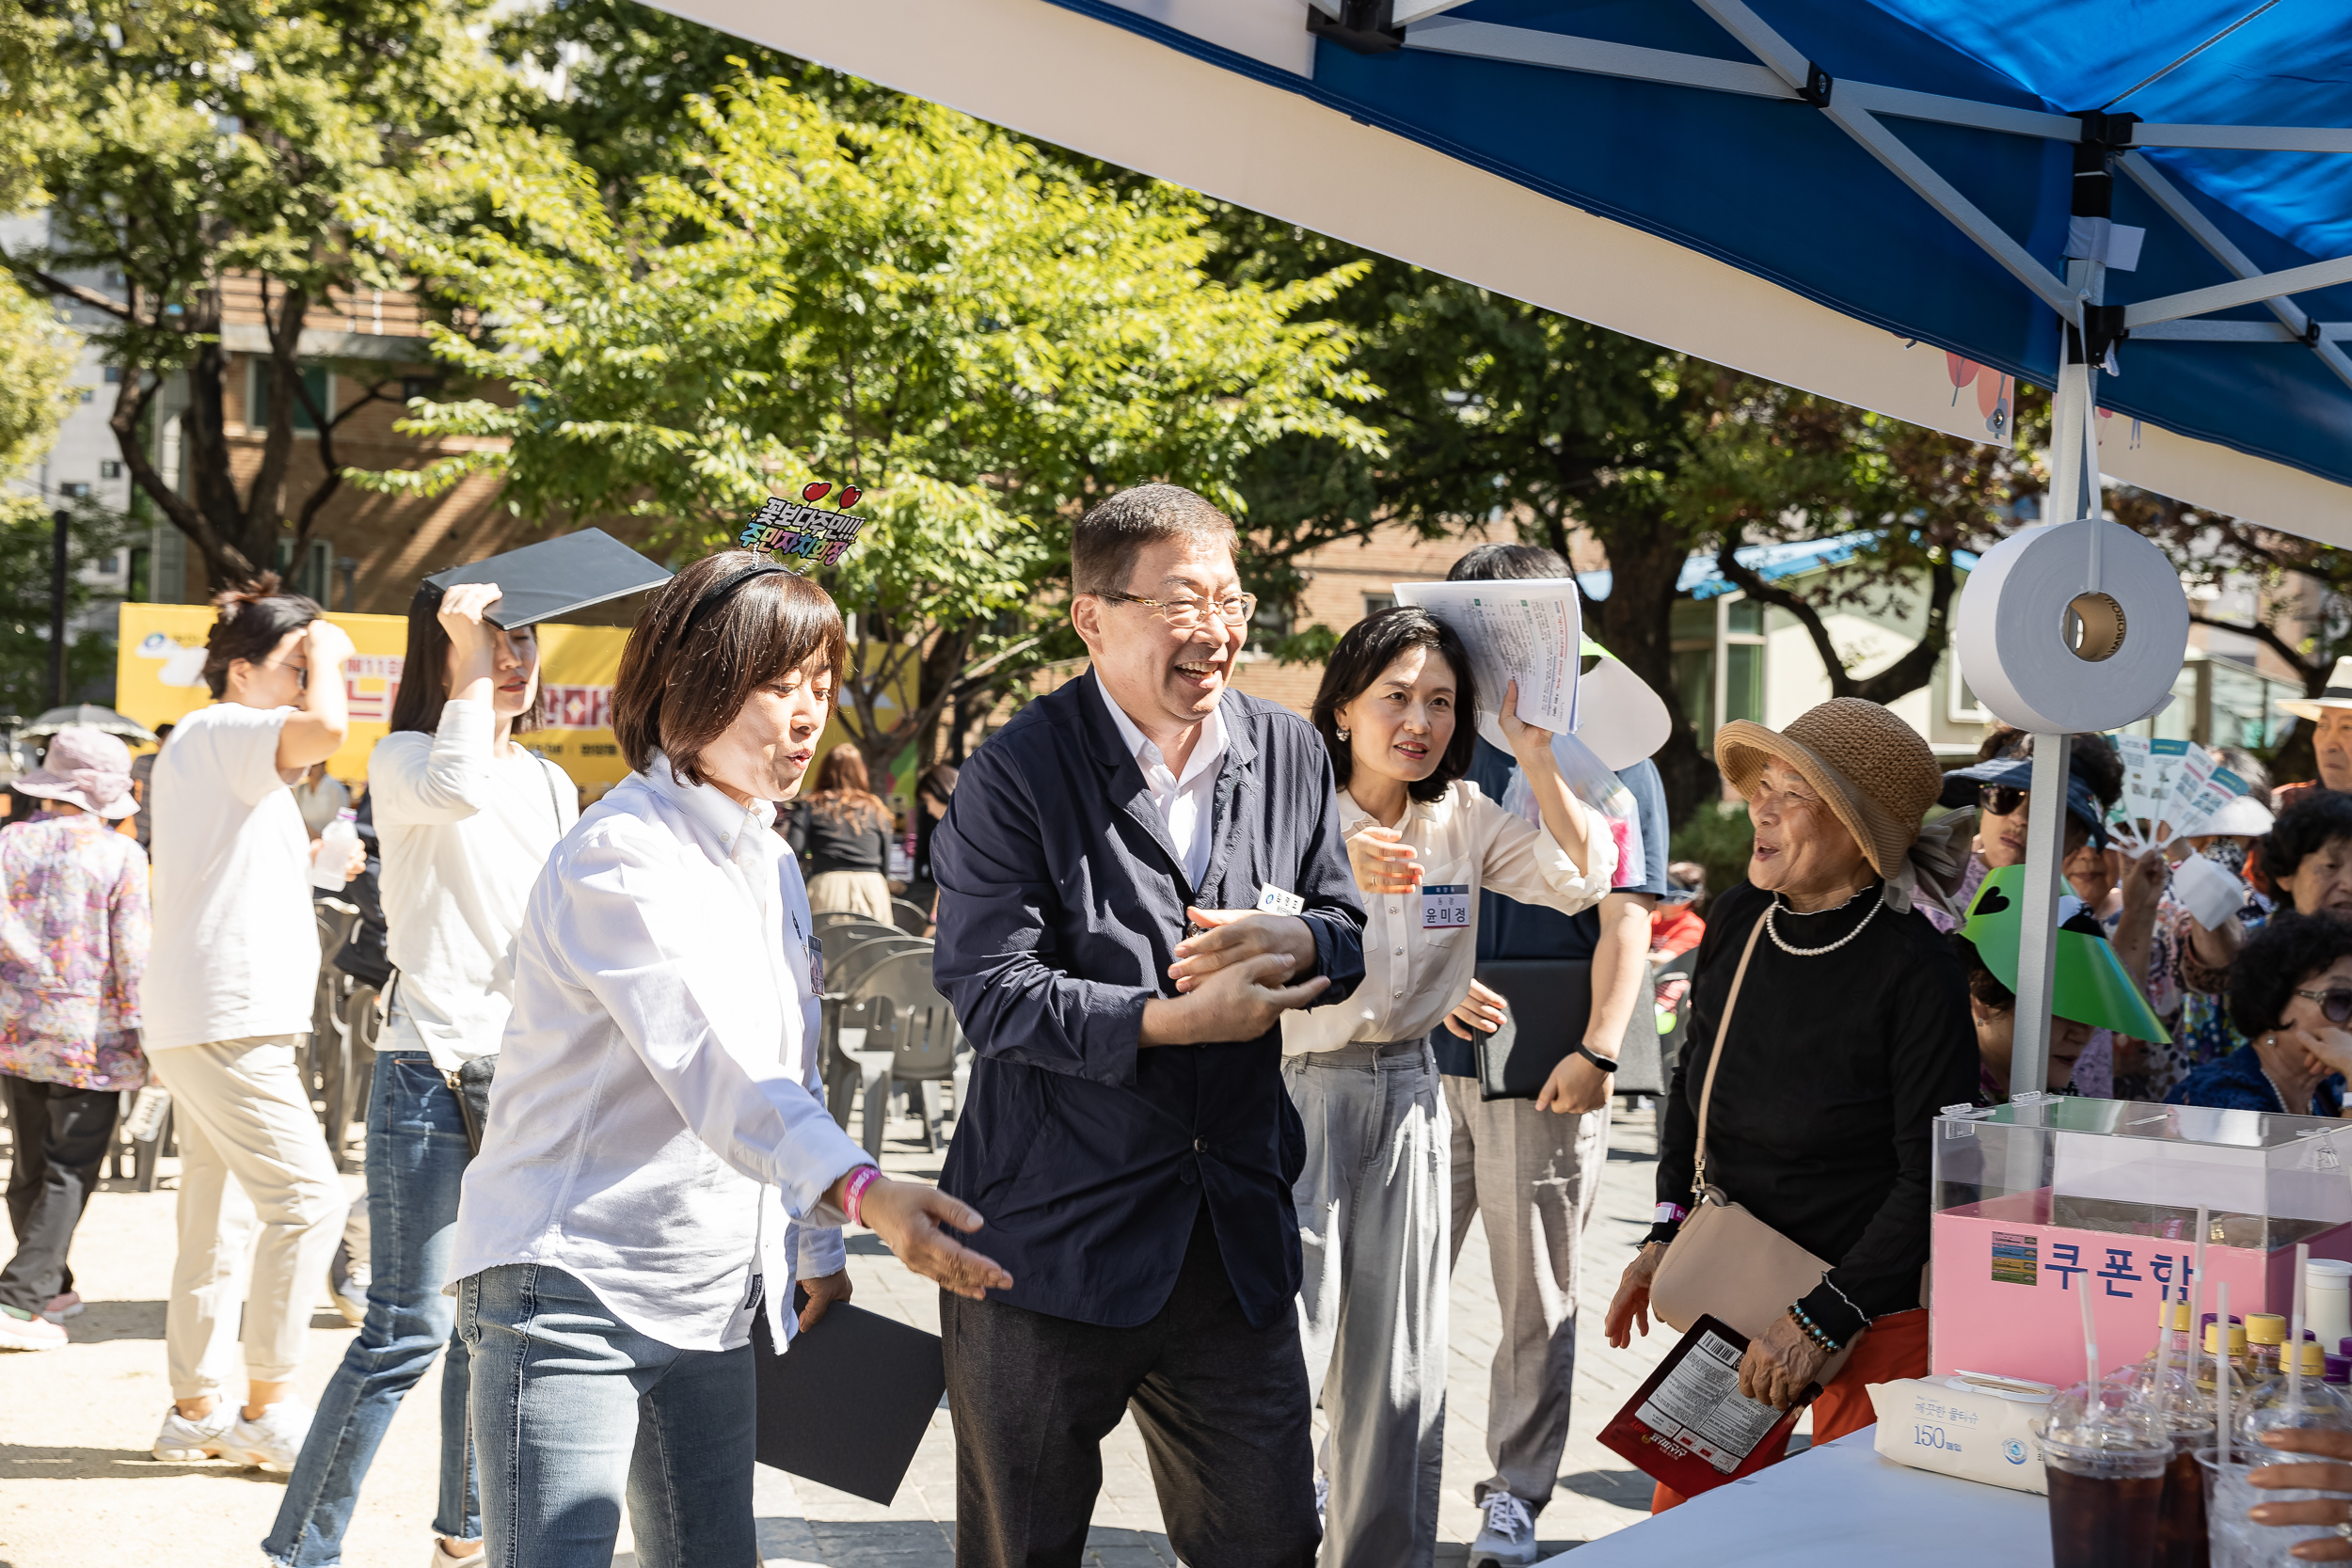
[(73, 933)]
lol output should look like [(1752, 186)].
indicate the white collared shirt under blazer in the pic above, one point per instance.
[(1420, 947), (658, 1112)]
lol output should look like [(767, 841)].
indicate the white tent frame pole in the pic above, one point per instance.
[(2037, 932), (2257, 289), (2184, 211)]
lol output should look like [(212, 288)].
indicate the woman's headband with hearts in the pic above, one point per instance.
[(782, 527)]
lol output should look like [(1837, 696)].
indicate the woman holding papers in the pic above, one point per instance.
[(1397, 711), (659, 1158), (466, 818)]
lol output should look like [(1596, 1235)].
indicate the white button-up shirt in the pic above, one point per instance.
[(1420, 947), (659, 1107), (1186, 804)]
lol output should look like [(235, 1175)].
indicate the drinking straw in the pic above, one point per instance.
[(2221, 1369), (2090, 1347), (2197, 1277), (2295, 1331), (2164, 1346)]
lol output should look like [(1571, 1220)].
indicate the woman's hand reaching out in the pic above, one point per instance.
[(1631, 1304), (915, 1222), (1382, 861)]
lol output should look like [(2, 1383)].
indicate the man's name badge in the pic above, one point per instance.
[(1445, 907), (1273, 901)]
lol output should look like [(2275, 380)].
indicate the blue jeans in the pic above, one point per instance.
[(573, 1408), (417, 1158)]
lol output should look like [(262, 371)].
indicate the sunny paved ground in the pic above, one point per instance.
[(77, 1486)]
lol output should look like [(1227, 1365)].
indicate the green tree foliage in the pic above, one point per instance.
[(190, 149), (911, 302), (1505, 418)]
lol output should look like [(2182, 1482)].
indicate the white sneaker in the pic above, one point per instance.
[(478, 1558), (1509, 1539), (347, 1284), (183, 1441), (275, 1439), (23, 1330)]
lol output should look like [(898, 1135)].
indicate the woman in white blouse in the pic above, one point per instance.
[(1397, 710), (659, 1158), (466, 818)]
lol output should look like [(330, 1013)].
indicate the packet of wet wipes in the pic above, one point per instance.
[(1958, 1428)]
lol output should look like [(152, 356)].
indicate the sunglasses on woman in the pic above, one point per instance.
[(2335, 1005), (2000, 799)]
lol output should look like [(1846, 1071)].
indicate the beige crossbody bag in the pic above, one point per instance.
[(1725, 1263)]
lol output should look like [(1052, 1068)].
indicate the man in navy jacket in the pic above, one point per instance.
[(1101, 868)]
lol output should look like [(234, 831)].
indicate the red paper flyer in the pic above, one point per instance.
[(1690, 1427)]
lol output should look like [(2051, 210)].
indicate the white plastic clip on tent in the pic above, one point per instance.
[(1893, 203)]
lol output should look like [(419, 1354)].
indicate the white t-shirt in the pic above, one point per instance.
[(236, 948), (465, 834)]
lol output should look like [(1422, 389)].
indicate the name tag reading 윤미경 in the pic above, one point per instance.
[(1445, 906), (1273, 900)]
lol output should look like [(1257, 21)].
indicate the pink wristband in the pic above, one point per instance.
[(853, 1193)]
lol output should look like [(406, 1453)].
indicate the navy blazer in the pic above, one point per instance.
[(1061, 900)]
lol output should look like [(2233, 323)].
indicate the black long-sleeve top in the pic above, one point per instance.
[(1824, 1106), (850, 841)]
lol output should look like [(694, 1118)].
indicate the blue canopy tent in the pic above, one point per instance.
[(1902, 204)]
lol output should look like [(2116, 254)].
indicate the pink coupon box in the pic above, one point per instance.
[(2003, 1292)]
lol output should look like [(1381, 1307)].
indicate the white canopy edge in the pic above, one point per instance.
[(1046, 71)]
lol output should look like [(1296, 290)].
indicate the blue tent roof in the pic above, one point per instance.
[(1772, 187), (1703, 580), (1798, 188)]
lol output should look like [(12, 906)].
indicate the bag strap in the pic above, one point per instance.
[(1715, 1059)]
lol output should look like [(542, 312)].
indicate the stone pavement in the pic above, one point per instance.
[(77, 1486)]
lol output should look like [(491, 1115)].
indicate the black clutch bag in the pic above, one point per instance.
[(1551, 1000)]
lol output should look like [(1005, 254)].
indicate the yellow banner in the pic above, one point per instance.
[(159, 678)]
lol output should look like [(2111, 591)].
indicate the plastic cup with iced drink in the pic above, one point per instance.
[(2106, 1469)]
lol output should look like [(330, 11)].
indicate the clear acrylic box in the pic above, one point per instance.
[(2034, 1202)]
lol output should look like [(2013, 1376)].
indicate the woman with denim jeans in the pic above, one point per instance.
[(466, 818), (659, 1158)]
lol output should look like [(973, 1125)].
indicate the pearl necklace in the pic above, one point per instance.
[(1773, 930), (2284, 1108)]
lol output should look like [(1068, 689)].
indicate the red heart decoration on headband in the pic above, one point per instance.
[(814, 492), (848, 496)]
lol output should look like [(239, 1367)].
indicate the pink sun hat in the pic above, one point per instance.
[(88, 768)]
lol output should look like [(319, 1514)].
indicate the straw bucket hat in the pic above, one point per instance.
[(1876, 775)]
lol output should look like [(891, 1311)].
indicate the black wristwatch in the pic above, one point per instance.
[(1604, 1063)]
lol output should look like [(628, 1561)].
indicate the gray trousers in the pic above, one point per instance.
[(1372, 1216), (1534, 1175)]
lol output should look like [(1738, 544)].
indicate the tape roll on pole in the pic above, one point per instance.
[(2049, 653)]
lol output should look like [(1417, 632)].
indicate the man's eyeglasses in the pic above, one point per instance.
[(2334, 1005), (1190, 615), (2000, 799)]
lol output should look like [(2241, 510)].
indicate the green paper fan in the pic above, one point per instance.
[(2092, 985)]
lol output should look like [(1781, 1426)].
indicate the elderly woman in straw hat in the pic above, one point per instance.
[(1852, 1030)]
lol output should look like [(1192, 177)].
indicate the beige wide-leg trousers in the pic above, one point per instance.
[(257, 1187)]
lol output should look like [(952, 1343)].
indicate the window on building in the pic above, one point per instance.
[(74, 492), (1268, 626), (1375, 603), (114, 376), (310, 574), (109, 468), (316, 379), (90, 394), (418, 386)]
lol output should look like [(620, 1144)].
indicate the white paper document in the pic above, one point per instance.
[(1531, 631)]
